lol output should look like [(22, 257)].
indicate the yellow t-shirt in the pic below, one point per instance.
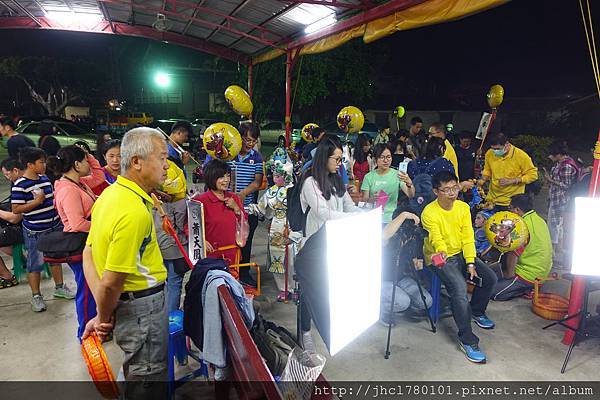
[(515, 164), (450, 155), (175, 184), (123, 238), (449, 231)]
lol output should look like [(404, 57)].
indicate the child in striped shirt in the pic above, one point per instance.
[(33, 196)]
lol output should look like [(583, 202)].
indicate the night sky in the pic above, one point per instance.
[(533, 47)]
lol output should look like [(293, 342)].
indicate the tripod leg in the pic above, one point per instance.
[(423, 299), (562, 371), (389, 334), (562, 321), (581, 326)]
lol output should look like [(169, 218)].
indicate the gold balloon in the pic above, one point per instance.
[(495, 96), (400, 111), (506, 231), (222, 141), (239, 100), (307, 132), (350, 119)]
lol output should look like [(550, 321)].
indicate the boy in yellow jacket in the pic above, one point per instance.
[(451, 246)]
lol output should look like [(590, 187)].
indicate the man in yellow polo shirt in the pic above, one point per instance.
[(124, 267), (452, 240), (508, 169), (439, 130)]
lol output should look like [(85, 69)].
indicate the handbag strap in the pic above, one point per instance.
[(82, 187)]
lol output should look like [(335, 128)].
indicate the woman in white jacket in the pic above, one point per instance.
[(322, 188), (325, 197)]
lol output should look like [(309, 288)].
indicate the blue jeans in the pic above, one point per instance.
[(85, 305), (174, 283), (407, 295), (35, 258), (453, 276)]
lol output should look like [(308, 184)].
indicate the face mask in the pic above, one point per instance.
[(498, 152)]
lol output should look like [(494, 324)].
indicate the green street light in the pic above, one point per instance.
[(162, 79)]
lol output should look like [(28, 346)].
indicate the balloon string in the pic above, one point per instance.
[(595, 57), (590, 42), (296, 88)]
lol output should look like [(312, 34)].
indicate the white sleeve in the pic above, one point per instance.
[(349, 206), (312, 197)]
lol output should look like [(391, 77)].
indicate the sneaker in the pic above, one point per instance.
[(38, 304), (6, 283), (64, 292), (483, 321), (473, 353), (281, 297), (528, 295)]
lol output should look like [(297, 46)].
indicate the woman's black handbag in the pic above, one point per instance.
[(62, 246)]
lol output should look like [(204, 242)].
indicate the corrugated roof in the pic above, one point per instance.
[(238, 30), (246, 26)]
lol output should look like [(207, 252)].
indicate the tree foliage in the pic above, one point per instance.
[(54, 83), (321, 84)]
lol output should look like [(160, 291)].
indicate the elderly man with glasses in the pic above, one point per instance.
[(450, 247)]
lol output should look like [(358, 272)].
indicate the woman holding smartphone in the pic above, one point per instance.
[(387, 180)]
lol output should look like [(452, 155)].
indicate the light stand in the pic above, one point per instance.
[(584, 267), (581, 332)]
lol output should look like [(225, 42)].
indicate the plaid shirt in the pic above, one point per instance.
[(564, 175)]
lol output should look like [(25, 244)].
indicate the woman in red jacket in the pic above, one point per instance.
[(222, 211)]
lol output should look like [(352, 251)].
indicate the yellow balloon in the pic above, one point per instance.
[(222, 141), (350, 119), (506, 231), (239, 100), (400, 111), (495, 96), (307, 132)]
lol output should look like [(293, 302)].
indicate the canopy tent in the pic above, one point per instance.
[(244, 31), (254, 31)]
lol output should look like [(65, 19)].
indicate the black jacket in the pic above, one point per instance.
[(193, 312)]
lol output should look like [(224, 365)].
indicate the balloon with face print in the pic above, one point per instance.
[(222, 141)]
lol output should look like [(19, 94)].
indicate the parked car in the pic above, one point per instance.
[(200, 125), (67, 133), (270, 131), (134, 118)]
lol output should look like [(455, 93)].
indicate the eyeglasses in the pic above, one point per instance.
[(452, 189), (383, 158), (338, 160)]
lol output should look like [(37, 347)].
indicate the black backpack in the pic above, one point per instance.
[(295, 216), (423, 193), (274, 342)]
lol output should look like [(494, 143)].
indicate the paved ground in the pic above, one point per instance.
[(43, 346)]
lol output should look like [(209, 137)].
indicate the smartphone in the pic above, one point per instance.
[(403, 167), (477, 281)]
